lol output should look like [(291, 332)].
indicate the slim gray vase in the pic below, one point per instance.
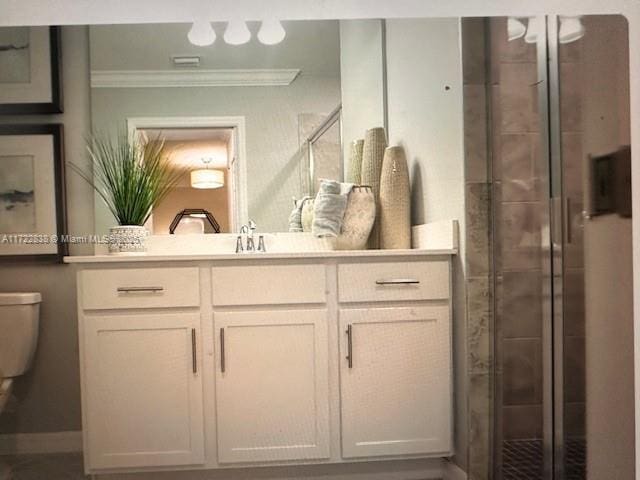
[(395, 200), (354, 174), (375, 142)]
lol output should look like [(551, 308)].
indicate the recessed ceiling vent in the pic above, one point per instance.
[(185, 61)]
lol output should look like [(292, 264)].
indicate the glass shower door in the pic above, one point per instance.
[(559, 124), (520, 204)]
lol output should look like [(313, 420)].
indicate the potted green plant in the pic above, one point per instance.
[(130, 176)]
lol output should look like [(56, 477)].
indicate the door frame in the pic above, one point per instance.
[(238, 169)]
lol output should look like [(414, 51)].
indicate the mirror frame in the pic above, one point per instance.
[(72, 12)]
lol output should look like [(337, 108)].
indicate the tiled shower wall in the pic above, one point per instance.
[(517, 207), (478, 258)]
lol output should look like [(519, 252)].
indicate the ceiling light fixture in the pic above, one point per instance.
[(271, 32), (206, 177), (237, 33), (533, 29), (515, 29), (571, 29), (201, 34)]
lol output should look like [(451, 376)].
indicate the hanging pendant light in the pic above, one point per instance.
[(201, 34), (271, 32), (206, 177), (237, 32)]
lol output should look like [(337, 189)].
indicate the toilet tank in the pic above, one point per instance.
[(19, 320)]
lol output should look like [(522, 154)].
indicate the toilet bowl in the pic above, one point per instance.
[(19, 321)]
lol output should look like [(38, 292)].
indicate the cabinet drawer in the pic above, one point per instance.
[(140, 288), (268, 284), (394, 281)]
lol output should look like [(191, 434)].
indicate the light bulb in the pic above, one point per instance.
[(271, 32), (571, 29), (237, 33), (515, 28), (201, 33)]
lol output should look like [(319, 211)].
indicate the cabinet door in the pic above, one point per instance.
[(396, 387), (143, 390), (272, 385)]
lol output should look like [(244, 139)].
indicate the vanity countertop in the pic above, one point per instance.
[(176, 257)]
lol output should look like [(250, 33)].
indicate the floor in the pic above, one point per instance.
[(60, 466), (523, 460)]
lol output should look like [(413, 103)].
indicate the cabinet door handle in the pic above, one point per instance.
[(194, 351), (398, 281), (222, 360), (349, 356), (139, 289)]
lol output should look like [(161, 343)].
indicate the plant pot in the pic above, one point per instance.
[(359, 217), (127, 240)]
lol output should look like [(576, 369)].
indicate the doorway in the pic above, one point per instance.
[(200, 143)]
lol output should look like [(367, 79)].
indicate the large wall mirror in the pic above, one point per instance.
[(269, 118)]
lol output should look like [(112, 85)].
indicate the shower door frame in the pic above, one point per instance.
[(552, 221)]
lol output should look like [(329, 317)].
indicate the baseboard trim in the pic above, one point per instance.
[(451, 471), (423, 469), (50, 442)]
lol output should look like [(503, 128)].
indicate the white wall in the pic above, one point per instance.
[(608, 249), (49, 395), (362, 69), (426, 117)]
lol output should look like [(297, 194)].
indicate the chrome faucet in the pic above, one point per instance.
[(250, 243), (249, 230)]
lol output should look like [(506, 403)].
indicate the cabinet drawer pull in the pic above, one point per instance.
[(222, 360), (398, 281), (139, 289), (349, 356), (194, 351)]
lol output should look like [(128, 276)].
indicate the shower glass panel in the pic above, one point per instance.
[(560, 164), (519, 202)]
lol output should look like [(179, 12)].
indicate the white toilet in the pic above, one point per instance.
[(19, 319)]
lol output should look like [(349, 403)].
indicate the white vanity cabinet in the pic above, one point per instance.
[(394, 379), (395, 365), (143, 394), (272, 400), (141, 380), (264, 360)]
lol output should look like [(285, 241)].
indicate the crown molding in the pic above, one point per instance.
[(192, 78)]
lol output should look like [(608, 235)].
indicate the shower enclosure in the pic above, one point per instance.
[(558, 121)]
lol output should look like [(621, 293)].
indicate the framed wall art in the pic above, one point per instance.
[(30, 70), (32, 196)]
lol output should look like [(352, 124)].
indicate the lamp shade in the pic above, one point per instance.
[(207, 178), (534, 28), (571, 29), (515, 28), (271, 32), (201, 33), (237, 32)]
